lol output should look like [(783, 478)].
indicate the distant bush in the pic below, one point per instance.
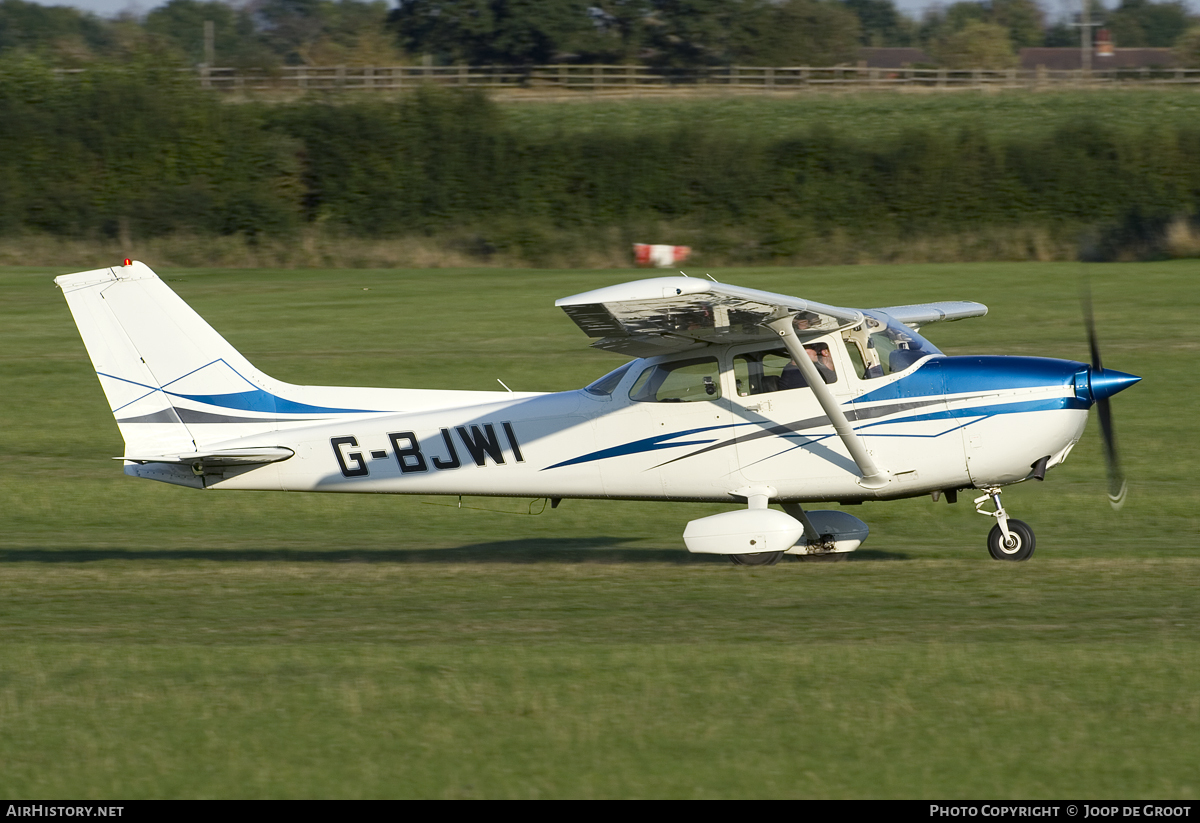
[(137, 149), (142, 152), (439, 160)]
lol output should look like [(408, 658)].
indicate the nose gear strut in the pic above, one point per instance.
[(993, 494)]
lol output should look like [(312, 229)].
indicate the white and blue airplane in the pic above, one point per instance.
[(734, 396)]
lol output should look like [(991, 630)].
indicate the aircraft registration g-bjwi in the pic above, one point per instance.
[(735, 396)]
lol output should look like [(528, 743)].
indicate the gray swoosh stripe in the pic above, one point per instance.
[(193, 416), (884, 411), (167, 415), (809, 423)]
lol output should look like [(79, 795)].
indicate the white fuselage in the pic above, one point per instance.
[(940, 424)]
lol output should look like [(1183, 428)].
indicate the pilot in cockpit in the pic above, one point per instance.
[(791, 377)]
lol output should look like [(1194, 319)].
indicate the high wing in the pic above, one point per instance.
[(674, 314)]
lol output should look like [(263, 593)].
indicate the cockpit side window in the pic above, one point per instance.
[(678, 381)]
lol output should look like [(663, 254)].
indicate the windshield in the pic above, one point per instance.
[(884, 346)]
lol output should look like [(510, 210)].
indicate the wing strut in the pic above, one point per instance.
[(873, 477)]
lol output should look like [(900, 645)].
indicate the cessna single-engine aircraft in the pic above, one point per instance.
[(735, 396)]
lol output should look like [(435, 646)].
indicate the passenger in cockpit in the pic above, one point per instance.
[(792, 378)]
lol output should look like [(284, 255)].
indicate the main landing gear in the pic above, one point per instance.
[(1008, 539)]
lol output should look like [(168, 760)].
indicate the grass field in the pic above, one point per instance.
[(874, 115), (160, 642)]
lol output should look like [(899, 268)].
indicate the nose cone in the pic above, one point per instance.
[(1106, 382)]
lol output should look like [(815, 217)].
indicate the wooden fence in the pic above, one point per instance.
[(582, 78)]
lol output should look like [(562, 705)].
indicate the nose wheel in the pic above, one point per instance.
[(1017, 546), (1009, 539)]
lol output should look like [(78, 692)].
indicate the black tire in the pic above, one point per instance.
[(1022, 545), (757, 559)]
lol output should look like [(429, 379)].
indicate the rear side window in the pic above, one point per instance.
[(681, 381)]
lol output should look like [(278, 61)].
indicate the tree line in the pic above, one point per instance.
[(141, 152), (667, 33)]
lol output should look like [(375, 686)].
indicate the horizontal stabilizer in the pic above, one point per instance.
[(220, 458), (919, 314)]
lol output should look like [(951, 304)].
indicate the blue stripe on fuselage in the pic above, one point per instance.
[(1049, 404), (974, 374), (259, 400), (935, 377), (638, 446)]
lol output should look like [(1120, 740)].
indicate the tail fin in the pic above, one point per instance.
[(165, 371)]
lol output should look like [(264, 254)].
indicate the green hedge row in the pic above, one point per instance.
[(145, 151), (143, 148)]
